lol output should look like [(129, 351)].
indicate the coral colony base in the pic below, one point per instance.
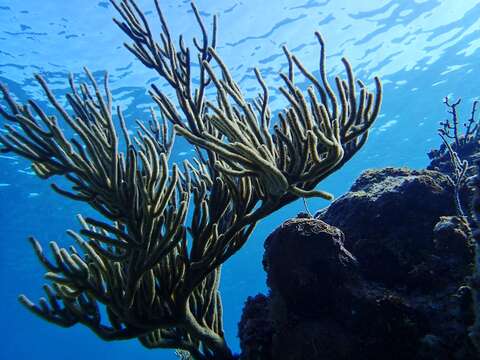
[(154, 272)]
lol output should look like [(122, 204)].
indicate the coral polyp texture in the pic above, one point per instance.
[(153, 258)]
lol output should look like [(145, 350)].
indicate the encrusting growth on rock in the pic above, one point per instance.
[(154, 269)]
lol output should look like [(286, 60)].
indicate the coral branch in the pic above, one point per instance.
[(155, 270)]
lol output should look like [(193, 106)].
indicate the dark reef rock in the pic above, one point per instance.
[(467, 150), (380, 274), (255, 329), (293, 266), (440, 158), (388, 219)]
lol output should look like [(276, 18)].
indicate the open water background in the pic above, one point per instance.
[(422, 49)]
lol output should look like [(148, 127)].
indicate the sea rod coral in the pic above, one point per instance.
[(153, 269)]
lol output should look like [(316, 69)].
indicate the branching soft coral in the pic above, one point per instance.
[(155, 269)]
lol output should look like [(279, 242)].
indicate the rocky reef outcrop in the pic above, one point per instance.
[(382, 273)]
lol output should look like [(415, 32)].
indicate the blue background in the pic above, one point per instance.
[(423, 50)]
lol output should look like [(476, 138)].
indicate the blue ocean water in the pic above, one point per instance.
[(423, 50)]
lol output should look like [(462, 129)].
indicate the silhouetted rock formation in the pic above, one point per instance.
[(388, 218), (379, 274)]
